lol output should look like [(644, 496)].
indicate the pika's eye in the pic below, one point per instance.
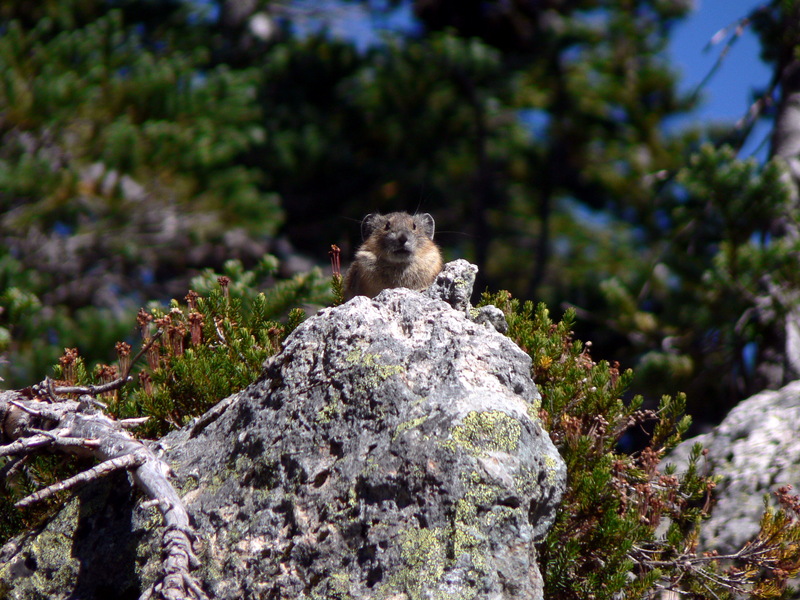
[(414, 226), (386, 227)]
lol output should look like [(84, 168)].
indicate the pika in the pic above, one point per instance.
[(398, 251)]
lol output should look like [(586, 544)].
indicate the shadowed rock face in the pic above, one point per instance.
[(391, 450)]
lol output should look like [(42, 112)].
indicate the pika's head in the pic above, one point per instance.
[(397, 236)]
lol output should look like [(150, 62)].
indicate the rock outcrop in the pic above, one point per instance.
[(391, 450), (755, 450)]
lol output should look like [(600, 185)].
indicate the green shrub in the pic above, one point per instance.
[(626, 528)]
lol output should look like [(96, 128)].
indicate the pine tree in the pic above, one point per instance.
[(628, 525), (122, 166), (716, 312)]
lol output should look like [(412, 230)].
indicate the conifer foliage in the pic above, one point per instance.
[(205, 349), (121, 167), (192, 354), (627, 527)]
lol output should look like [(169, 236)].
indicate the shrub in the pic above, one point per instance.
[(628, 528)]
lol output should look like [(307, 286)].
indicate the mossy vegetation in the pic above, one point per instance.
[(203, 349)]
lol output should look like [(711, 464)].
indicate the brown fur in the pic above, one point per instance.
[(398, 251)]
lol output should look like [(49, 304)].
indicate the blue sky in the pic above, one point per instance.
[(727, 96)]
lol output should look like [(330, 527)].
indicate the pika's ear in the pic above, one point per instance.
[(368, 225), (425, 220)]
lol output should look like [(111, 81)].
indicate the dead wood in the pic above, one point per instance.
[(42, 419)]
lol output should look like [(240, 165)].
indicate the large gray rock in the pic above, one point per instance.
[(755, 450), (391, 450)]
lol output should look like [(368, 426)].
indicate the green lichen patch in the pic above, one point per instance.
[(473, 519), (411, 424), (334, 587), (331, 409), (148, 570), (478, 491), (369, 373), (552, 465), (51, 552), (243, 464), (428, 554), (372, 365), (486, 431), (57, 568), (467, 535), (533, 409), (480, 520), (423, 554), (187, 485)]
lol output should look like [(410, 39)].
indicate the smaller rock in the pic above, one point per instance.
[(491, 316), (454, 285), (755, 450)]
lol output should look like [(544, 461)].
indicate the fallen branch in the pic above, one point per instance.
[(26, 445), (40, 419), (133, 423), (96, 472)]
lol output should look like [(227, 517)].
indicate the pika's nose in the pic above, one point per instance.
[(402, 238)]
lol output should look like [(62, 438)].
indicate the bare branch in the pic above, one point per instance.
[(42, 410), (12, 466), (133, 423), (180, 558), (51, 392), (66, 441), (26, 445), (223, 341), (74, 427), (93, 389), (758, 553), (157, 502), (22, 407), (96, 472), (86, 400)]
